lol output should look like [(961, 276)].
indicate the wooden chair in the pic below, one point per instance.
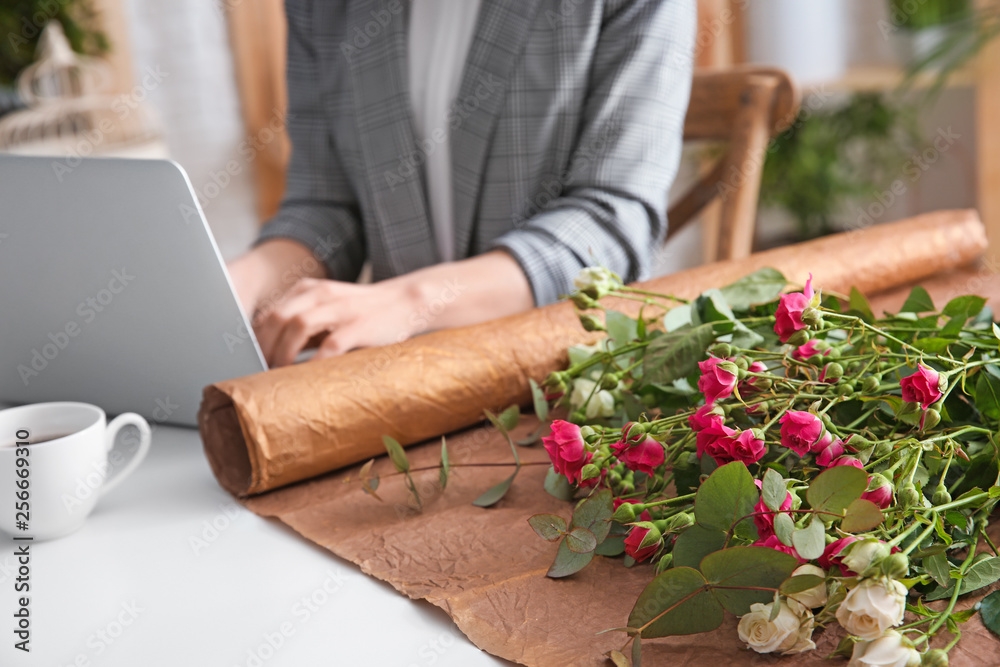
[(745, 107)]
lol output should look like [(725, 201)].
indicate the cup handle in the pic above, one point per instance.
[(145, 437)]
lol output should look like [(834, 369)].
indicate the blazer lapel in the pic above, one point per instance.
[(381, 91), (501, 32)]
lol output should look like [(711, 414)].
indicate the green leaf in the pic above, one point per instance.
[(568, 562), (932, 345), (538, 400), (396, 454), (919, 301), (761, 286), (938, 567), (676, 602), (735, 572), (981, 574), (507, 420), (621, 328), (728, 495), (989, 611), (996, 331), (676, 354), (716, 309), (862, 515), (808, 541), (549, 527), (613, 545), (988, 395), (594, 514), (581, 541), (964, 306), (774, 491), (859, 302), (493, 495), (445, 466), (784, 526), (558, 486), (695, 543), (680, 316), (836, 488), (618, 658), (799, 583)]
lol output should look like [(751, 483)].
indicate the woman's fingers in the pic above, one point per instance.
[(284, 332), (340, 340)]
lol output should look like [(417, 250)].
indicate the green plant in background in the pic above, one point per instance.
[(830, 155), (21, 23)]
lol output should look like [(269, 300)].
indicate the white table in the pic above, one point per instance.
[(169, 571)]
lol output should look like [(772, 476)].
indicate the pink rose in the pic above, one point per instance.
[(772, 542), (788, 318), (705, 416), (744, 446), (831, 554), (847, 461), (830, 453), (764, 518), (566, 450), (640, 456), (880, 493), (718, 378), (808, 349), (635, 537), (799, 430), (922, 387), (708, 440)]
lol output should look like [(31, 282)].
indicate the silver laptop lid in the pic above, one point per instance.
[(112, 289)]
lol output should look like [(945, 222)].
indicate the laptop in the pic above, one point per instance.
[(112, 289)]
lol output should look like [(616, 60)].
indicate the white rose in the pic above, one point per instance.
[(788, 633), (864, 553), (872, 607), (596, 277), (602, 403), (815, 596), (886, 651)]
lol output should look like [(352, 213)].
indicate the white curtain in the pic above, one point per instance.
[(183, 66)]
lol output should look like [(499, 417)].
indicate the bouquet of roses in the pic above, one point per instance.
[(788, 458)]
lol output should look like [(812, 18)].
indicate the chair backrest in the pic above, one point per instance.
[(746, 107)]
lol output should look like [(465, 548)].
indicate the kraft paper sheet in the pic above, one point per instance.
[(267, 430), (486, 567)]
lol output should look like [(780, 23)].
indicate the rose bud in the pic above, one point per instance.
[(908, 496), (895, 566), (941, 496), (589, 471), (799, 338), (930, 419), (679, 522), (879, 491), (832, 372), (865, 554), (666, 560), (591, 323), (625, 510), (799, 430), (888, 649), (832, 554), (923, 387), (718, 378), (721, 350), (642, 456), (642, 541), (936, 657), (811, 349), (869, 385), (786, 632), (566, 450), (872, 607), (882, 449), (583, 302)]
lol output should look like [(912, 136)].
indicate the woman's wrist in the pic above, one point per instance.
[(267, 271)]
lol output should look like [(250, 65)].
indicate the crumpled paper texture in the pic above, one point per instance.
[(289, 424), (486, 567)]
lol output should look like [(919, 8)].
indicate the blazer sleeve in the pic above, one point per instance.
[(319, 208), (611, 210)]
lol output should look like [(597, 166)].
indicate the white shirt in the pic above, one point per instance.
[(440, 33)]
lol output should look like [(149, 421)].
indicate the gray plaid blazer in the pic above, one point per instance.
[(566, 135)]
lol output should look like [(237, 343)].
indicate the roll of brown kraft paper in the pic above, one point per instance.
[(274, 428)]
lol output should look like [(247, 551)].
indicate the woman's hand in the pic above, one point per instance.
[(348, 316), (344, 315)]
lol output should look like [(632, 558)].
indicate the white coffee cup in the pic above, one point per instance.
[(69, 462)]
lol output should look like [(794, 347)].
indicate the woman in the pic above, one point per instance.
[(478, 153)]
